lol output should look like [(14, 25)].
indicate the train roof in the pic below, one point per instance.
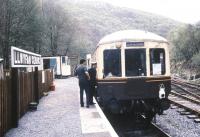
[(131, 35)]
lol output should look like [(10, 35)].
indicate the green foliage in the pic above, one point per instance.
[(196, 60), (186, 46), (97, 19), (20, 26)]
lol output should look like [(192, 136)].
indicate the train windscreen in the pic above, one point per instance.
[(157, 61), (135, 62), (112, 63)]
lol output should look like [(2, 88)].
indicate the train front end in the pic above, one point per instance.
[(134, 73)]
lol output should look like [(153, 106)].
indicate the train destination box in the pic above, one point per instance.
[(23, 58)]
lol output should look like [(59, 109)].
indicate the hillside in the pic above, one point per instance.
[(96, 19), (50, 27)]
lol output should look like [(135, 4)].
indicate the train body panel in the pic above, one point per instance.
[(140, 88)]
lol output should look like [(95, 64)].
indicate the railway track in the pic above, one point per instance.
[(185, 82), (129, 125), (187, 96), (187, 104), (185, 88)]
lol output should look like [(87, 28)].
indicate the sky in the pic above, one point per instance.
[(187, 11)]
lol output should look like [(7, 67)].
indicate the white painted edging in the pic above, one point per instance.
[(107, 123)]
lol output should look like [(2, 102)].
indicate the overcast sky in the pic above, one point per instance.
[(187, 11)]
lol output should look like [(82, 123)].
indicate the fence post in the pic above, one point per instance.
[(15, 97), (36, 85)]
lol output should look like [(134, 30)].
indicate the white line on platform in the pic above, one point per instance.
[(91, 121), (95, 124)]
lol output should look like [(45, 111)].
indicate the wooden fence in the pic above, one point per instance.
[(25, 93)]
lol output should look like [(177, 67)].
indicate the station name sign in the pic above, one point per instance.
[(23, 58)]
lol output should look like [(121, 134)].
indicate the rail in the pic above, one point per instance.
[(129, 125)]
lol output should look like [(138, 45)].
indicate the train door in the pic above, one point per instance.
[(55, 62), (65, 66)]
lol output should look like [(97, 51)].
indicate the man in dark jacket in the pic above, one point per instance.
[(93, 83), (83, 76)]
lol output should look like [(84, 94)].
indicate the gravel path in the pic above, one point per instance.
[(178, 125), (57, 114)]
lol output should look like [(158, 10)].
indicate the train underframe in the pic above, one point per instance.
[(147, 107), (135, 97)]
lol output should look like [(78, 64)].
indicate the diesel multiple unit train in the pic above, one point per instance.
[(133, 72)]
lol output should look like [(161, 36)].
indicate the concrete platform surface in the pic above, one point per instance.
[(59, 115)]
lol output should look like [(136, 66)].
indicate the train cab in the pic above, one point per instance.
[(133, 71)]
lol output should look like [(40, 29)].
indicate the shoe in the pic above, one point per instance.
[(87, 106), (92, 103), (82, 105)]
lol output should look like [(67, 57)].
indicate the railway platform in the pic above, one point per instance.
[(59, 115)]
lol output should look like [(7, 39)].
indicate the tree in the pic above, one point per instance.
[(20, 26), (59, 28), (186, 46)]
